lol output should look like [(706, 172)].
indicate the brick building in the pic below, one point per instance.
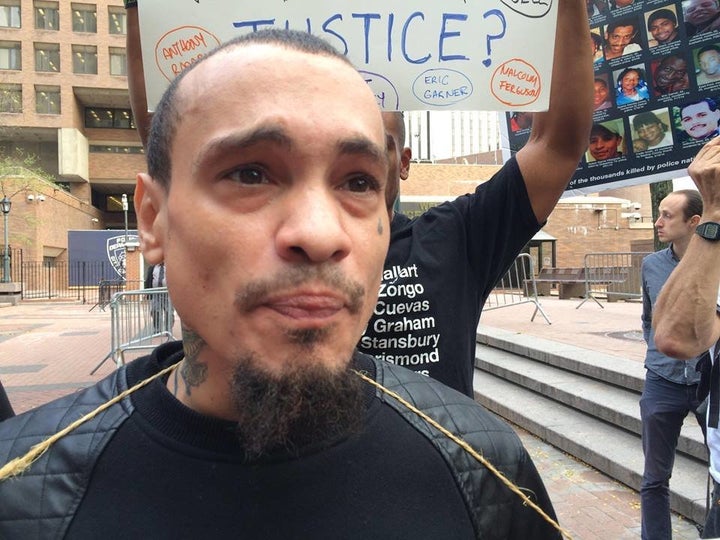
[(64, 100)]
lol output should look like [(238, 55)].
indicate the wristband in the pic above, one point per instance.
[(130, 3)]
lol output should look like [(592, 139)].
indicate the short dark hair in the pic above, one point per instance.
[(712, 105), (611, 27), (647, 118), (708, 48), (662, 14), (693, 203), (166, 116)]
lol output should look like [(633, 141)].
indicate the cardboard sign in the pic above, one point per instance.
[(657, 89), (455, 54)]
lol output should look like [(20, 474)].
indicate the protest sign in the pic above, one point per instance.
[(421, 55), (657, 85)]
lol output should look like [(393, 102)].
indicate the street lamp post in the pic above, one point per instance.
[(125, 209), (5, 204)]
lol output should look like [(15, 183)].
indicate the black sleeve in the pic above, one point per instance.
[(526, 521), (6, 410)]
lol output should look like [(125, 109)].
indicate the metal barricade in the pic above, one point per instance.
[(614, 276), (517, 286), (106, 289), (140, 320)]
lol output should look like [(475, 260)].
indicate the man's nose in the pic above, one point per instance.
[(313, 227)]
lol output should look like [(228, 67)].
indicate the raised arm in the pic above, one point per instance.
[(685, 319), (560, 136), (136, 76)]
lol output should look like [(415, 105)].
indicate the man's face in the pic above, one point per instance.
[(651, 133), (710, 62), (663, 30), (274, 228), (601, 93), (619, 38), (671, 75), (604, 146), (671, 224), (700, 11), (399, 156), (699, 121)]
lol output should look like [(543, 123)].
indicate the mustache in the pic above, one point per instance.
[(256, 292)]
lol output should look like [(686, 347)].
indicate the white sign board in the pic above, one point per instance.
[(454, 54)]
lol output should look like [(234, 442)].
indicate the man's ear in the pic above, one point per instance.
[(405, 157), (150, 198)]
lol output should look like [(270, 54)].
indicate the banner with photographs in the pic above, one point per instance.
[(657, 88)]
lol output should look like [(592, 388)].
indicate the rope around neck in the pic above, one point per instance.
[(470, 450), (20, 464)]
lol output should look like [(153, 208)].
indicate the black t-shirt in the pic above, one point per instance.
[(440, 269), (157, 469), (187, 480)]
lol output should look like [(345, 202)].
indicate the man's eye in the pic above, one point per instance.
[(248, 176), (362, 184)]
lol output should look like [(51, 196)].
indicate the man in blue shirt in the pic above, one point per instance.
[(670, 390)]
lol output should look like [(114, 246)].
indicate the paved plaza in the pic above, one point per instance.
[(49, 349)]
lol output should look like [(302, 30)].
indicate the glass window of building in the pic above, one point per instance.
[(10, 55), (47, 57), (47, 15), (84, 18), (10, 13), (10, 98), (117, 21), (96, 117), (84, 59), (47, 99), (118, 61)]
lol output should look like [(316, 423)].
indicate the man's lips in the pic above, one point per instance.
[(307, 306)]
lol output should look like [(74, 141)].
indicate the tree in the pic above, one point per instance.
[(658, 191)]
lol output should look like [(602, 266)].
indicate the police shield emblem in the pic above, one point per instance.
[(116, 252)]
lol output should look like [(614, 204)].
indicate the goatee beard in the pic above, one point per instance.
[(305, 408)]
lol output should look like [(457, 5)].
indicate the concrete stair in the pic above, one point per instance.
[(587, 404)]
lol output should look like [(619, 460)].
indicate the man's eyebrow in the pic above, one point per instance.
[(241, 140), (360, 145), (236, 142)]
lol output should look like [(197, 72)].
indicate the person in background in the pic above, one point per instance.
[(686, 319), (456, 252), (6, 410), (662, 25), (671, 75), (651, 130), (620, 37), (670, 390), (631, 86), (701, 16), (604, 143), (601, 100), (709, 63), (700, 119)]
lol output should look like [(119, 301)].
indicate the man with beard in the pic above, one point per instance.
[(456, 252), (270, 214)]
